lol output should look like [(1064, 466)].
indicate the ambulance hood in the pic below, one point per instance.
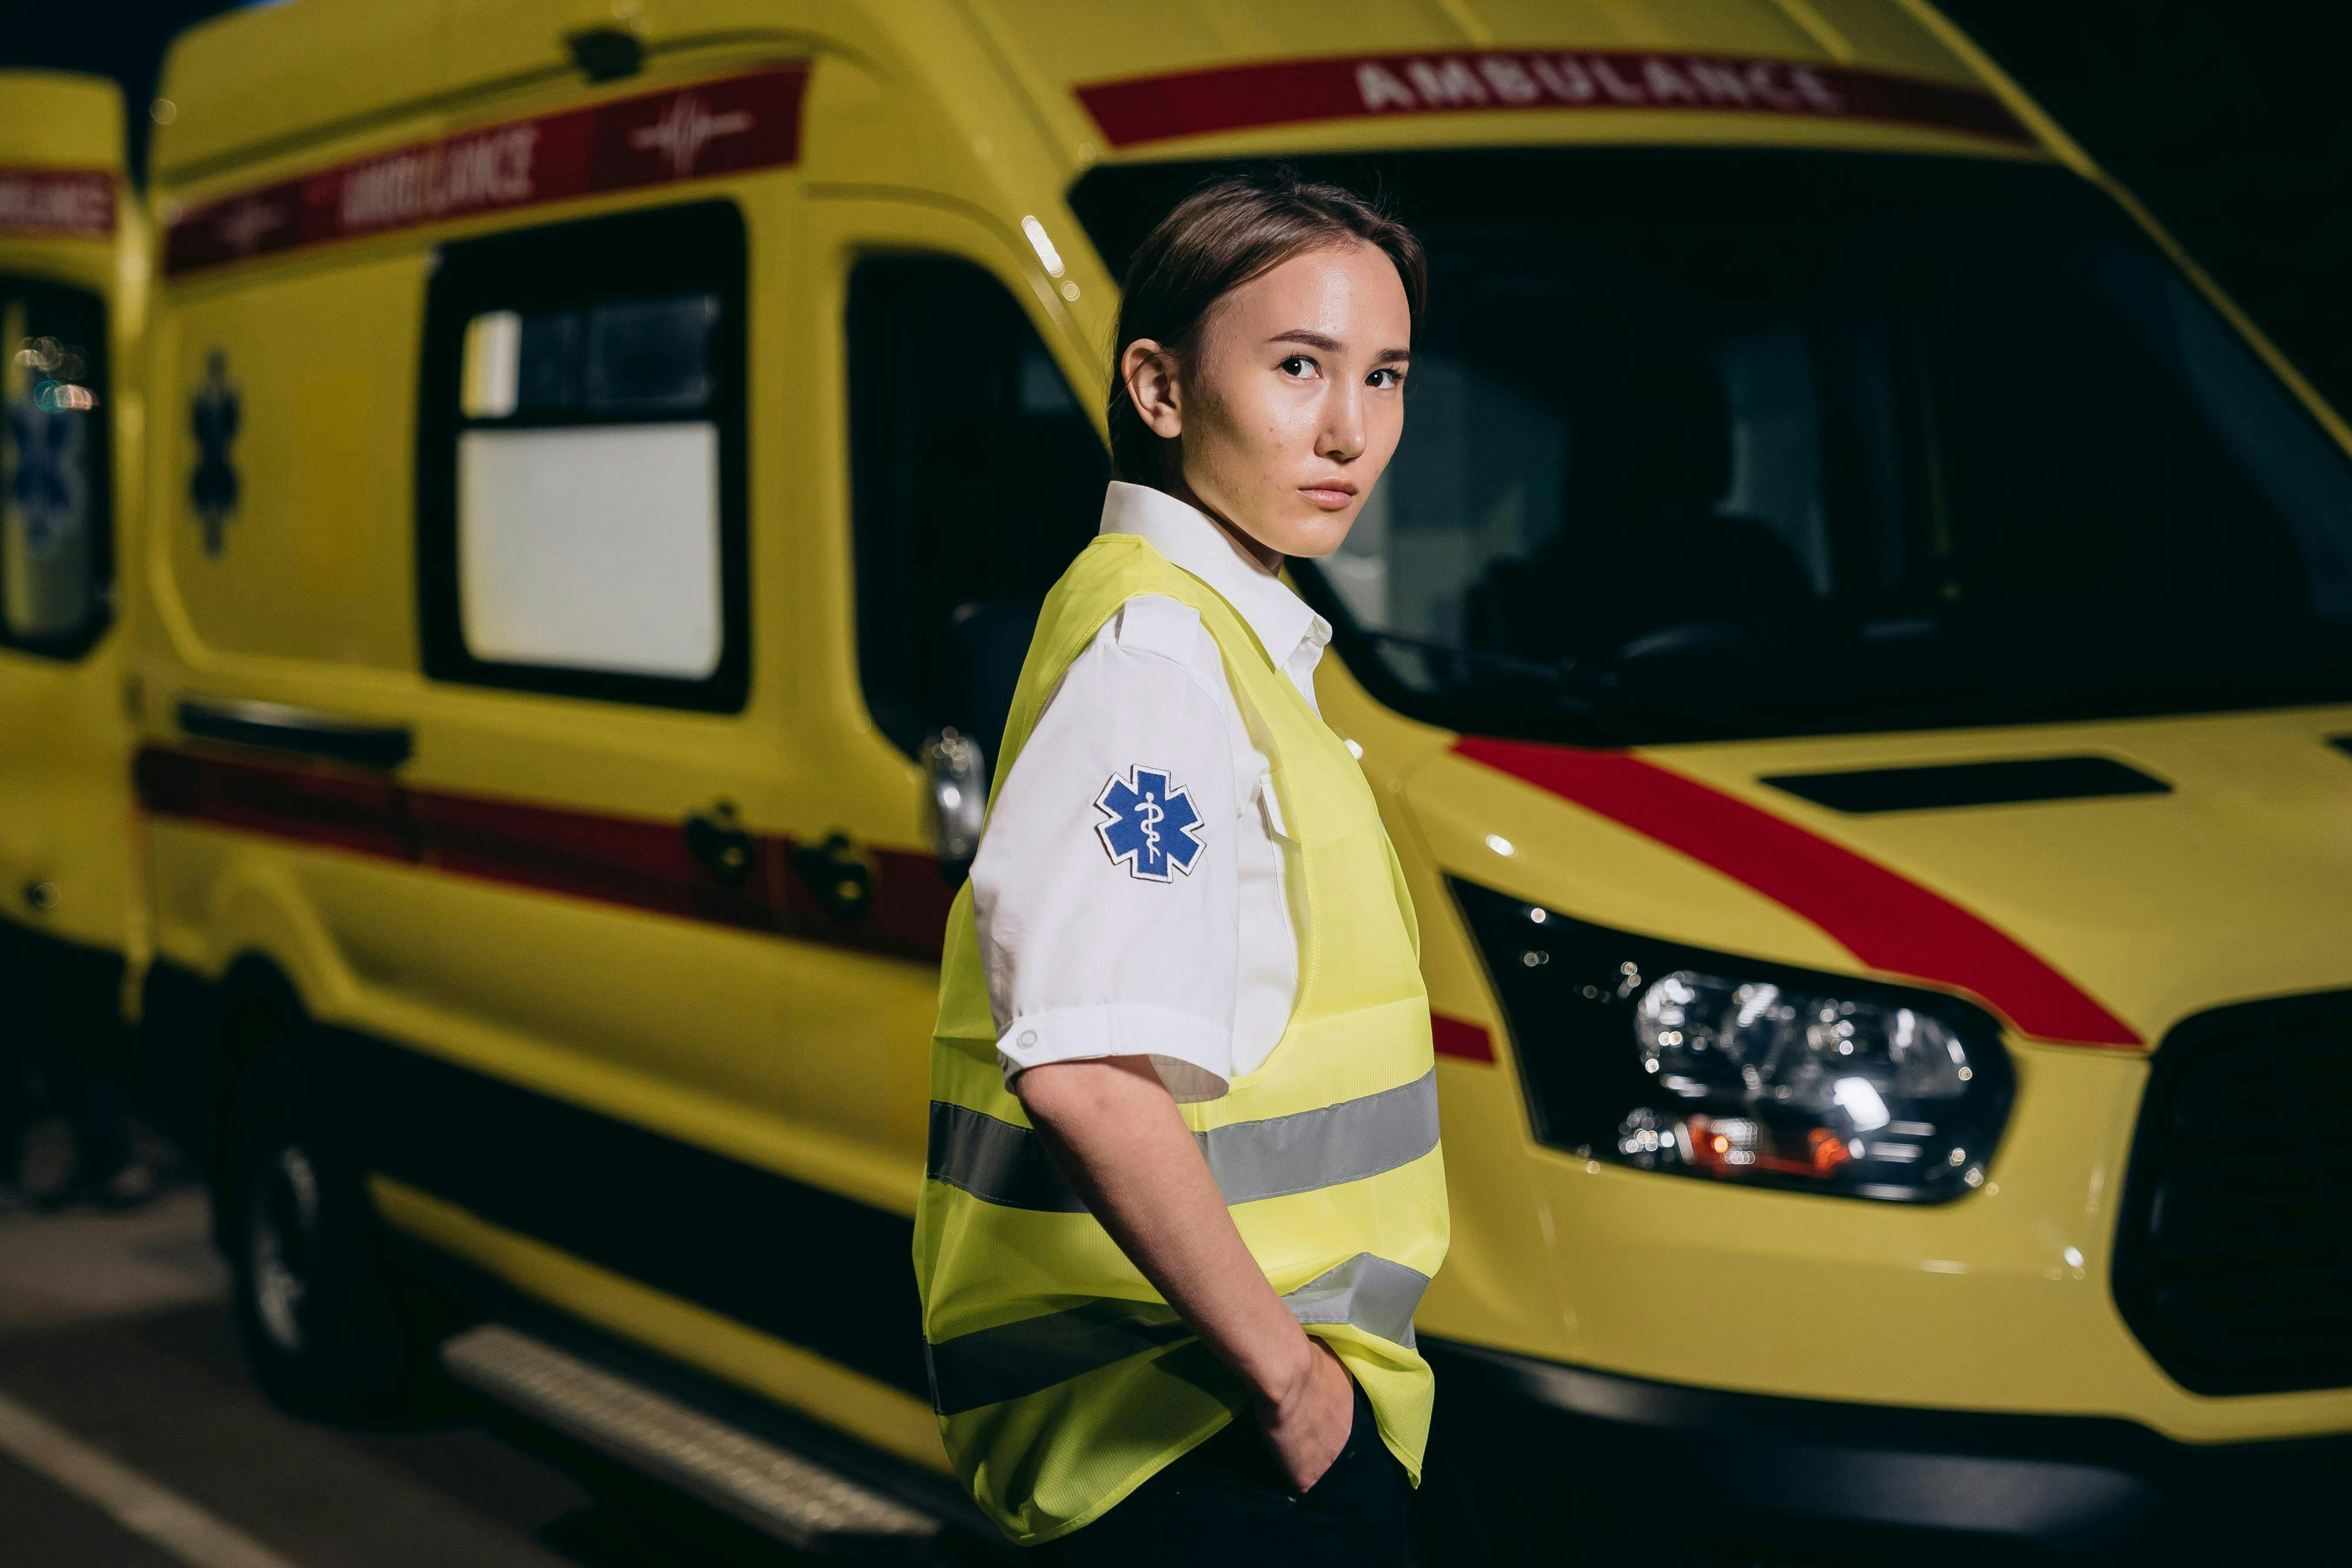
[(2091, 883)]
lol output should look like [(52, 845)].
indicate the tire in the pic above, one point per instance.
[(329, 1330)]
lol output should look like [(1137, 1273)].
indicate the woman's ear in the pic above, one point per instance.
[(1149, 371)]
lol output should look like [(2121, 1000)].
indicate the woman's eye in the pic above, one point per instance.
[(1385, 378), (1297, 365)]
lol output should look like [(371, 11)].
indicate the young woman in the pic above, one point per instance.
[(1185, 1181)]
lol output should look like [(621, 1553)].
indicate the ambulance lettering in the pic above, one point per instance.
[(1719, 83), (1381, 90), (1616, 86), (753, 119), (1815, 92), (1511, 80), (1565, 79), (43, 202), (468, 174), (1448, 83), (1667, 84), (1280, 92)]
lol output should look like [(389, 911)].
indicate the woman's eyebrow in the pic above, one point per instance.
[(1330, 345)]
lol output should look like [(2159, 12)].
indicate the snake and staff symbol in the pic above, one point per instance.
[(1139, 806)]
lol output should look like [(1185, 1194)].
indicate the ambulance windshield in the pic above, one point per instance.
[(1712, 444)]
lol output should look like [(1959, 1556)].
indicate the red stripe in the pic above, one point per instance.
[(631, 861), (1356, 86), (1460, 1038), (712, 128), (1887, 921), (75, 203)]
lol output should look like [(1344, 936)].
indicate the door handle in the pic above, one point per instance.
[(304, 731), (838, 878), (719, 844)]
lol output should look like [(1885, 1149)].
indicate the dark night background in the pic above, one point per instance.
[(2228, 121)]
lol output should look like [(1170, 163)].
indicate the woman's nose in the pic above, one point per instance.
[(1341, 439)]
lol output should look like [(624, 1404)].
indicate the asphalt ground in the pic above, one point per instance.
[(131, 1436)]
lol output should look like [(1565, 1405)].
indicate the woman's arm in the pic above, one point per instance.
[(1116, 1132)]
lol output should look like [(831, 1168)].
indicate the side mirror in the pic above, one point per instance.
[(956, 770)]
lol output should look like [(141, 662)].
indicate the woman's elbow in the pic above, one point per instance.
[(1063, 1094)]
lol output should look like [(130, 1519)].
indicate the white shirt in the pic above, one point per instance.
[(1106, 930)]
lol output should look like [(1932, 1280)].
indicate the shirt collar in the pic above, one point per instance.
[(1190, 541)]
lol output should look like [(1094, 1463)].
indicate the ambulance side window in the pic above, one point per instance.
[(56, 533), (579, 500), (976, 478)]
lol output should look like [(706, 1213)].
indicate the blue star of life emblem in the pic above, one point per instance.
[(213, 420), (1154, 831)]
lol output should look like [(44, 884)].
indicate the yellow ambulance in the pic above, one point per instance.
[(72, 267), (1855, 653)]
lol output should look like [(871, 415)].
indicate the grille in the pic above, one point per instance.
[(2235, 1262)]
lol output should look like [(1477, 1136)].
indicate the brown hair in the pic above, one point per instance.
[(1224, 233)]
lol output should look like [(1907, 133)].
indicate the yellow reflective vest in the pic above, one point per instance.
[(1061, 1379)]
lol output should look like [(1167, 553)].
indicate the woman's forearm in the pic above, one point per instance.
[(1118, 1137)]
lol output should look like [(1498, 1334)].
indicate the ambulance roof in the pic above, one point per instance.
[(60, 120), (257, 81)]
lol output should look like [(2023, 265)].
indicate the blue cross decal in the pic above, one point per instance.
[(1153, 829)]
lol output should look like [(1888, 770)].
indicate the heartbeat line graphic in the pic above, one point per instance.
[(685, 129), (243, 226)]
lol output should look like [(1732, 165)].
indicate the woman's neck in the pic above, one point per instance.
[(1271, 560)]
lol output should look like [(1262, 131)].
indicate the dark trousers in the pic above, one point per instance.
[(1225, 1503)]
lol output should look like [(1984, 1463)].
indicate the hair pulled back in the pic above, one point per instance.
[(1227, 232)]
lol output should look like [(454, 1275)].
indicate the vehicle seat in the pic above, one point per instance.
[(1643, 547)]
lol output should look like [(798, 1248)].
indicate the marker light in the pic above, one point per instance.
[(1674, 1060)]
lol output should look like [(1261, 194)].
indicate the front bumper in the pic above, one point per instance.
[(1532, 1461)]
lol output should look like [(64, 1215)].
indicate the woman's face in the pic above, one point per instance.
[(1292, 400)]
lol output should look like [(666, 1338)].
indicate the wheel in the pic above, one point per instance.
[(328, 1329)]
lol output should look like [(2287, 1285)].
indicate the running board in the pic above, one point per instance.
[(781, 1494)]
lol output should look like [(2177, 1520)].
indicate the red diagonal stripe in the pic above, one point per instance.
[(1460, 1039), (1886, 920)]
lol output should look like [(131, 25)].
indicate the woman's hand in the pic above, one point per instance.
[(1309, 1426), (1118, 1137)]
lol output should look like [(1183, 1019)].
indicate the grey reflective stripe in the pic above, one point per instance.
[(996, 1162), (1366, 1290), (1013, 1360), (1034, 1353), (999, 1163), (1342, 1143)]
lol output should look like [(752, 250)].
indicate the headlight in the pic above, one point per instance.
[(1672, 1058)]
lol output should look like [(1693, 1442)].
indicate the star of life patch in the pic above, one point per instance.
[(1153, 829)]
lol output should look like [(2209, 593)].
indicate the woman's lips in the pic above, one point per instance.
[(1333, 497)]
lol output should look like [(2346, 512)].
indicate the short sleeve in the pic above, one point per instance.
[(1104, 893)]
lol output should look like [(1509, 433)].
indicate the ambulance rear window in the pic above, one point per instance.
[(627, 356), (1704, 444)]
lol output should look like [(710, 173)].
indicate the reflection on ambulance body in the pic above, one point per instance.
[(1846, 654)]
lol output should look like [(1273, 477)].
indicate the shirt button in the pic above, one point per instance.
[(1028, 1037)]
